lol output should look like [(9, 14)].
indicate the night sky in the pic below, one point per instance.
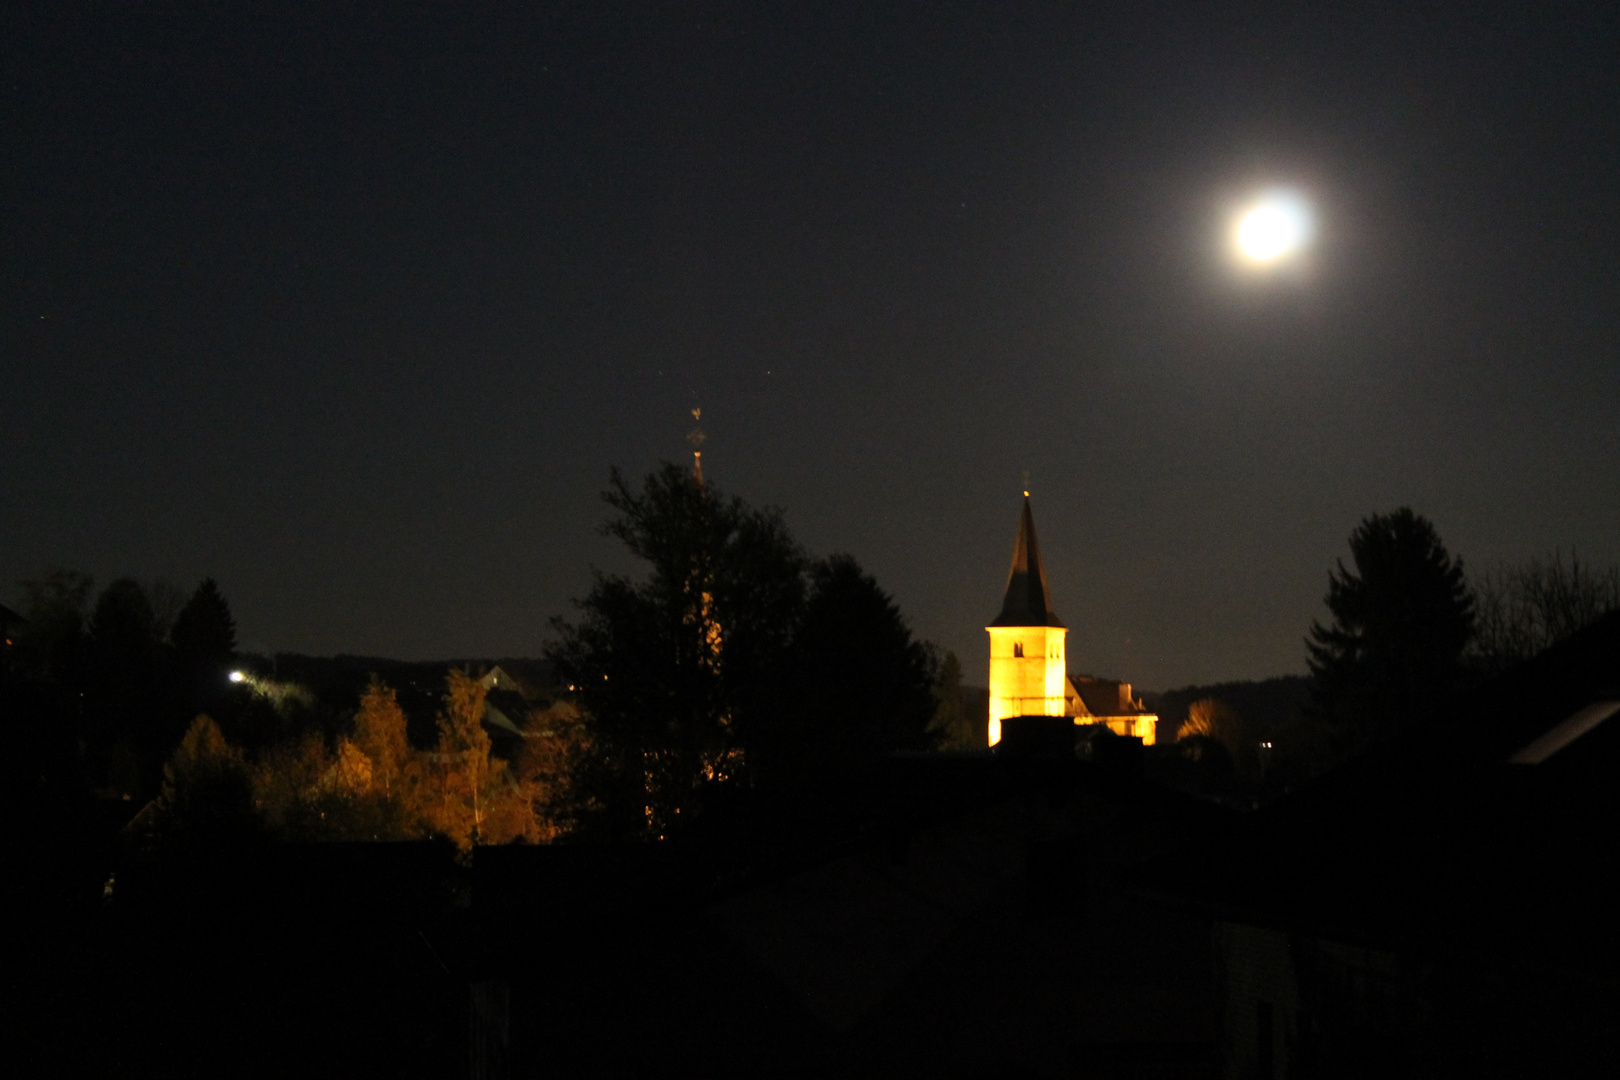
[(353, 306)]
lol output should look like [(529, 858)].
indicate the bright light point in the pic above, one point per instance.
[(1277, 226), (237, 676)]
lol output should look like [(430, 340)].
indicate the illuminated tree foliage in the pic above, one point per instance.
[(1214, 719), (472, 798), (1214, 730), (289, 791), (372, 785), (556, 743), (379, 734), (1401, 620)]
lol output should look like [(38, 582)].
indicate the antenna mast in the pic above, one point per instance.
[(696, 438)]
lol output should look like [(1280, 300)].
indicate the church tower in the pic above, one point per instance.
[(1028, 666)]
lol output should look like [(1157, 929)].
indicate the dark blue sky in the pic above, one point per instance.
[(353, 306)]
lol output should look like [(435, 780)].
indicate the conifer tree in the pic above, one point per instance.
[(204, 633), (859, 685), (1401, 619)]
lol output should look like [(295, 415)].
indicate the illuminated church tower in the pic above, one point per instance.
[(1028, 665)]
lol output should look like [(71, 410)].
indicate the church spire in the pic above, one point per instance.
[(1027, 602)]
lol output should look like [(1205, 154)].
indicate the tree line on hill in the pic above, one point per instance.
[(1407, 631), (738, 668), (98, 693)]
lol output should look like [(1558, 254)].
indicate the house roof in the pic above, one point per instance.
[(1104, 697), (1027, 603), (1487, 832)]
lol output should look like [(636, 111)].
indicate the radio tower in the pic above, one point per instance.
[(696, 439)]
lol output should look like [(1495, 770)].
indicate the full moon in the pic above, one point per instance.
[(1276, 226)]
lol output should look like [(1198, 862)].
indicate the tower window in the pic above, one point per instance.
[(1018, 648)]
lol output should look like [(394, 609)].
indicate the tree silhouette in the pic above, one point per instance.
[(951, 726), (1523, 608), (206, 796), (204, 632), (50, 645), (859, 686), (204, 641), (131, 729), (1401, 621), (675, 671), (41, 692)]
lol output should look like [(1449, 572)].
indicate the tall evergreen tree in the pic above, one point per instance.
[(124, 641), (860, 686), (1401, 620), (204, 643), (204, 634)]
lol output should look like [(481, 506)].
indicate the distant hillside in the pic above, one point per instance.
[(1268, 705), (338, 681)]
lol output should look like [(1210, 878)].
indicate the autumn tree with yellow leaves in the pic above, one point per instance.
[(375, 786)]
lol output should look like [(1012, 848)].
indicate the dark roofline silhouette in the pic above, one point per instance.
[(1027, 602)]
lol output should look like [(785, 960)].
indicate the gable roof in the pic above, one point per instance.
[(1027, 602)]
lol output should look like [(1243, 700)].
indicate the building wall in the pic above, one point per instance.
[(1028, 667), (1259, 1006), (1144, 726)]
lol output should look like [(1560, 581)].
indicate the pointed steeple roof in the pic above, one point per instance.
[(1027, 602)]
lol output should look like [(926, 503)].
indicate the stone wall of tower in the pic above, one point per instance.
[(1028, 665)]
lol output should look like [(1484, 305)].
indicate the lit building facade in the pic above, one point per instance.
[(1029, 660)]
